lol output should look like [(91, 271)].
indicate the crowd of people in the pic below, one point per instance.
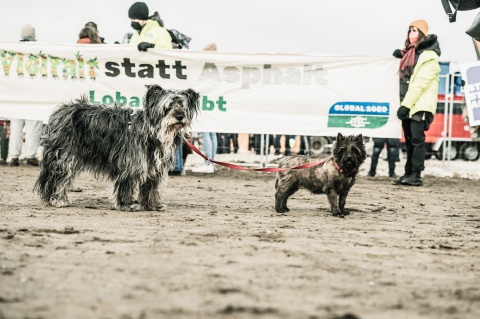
[(418, 76)]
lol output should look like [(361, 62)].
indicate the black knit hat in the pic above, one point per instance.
[(138, 10)]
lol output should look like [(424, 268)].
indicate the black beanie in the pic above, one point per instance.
[(138, 10)]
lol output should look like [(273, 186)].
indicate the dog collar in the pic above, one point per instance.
[(341, 170)]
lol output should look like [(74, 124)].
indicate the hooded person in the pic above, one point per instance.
[(88, 35), (419, 73), (28, 33), (148, 33), (94, 26), (33, 128)]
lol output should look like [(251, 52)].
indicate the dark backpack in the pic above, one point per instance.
[(464, 5), (458, 5), (156, 17), (179, 40)]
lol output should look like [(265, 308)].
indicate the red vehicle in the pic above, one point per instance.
[(464, 141)]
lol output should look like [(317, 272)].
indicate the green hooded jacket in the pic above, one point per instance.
[(422, 94), (153, 33)]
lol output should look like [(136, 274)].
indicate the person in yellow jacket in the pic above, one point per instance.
[(148, 33), (419, 71)]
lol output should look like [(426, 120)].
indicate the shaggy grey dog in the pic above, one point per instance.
[(334, 178), (134, 150)]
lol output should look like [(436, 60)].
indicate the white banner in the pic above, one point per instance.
[(471, 76), (240, 93)]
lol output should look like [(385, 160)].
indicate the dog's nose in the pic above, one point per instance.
[(179, 117)]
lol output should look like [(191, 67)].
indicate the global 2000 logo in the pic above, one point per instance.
[(358, 114)]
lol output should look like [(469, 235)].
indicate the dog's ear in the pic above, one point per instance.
[(359, 140), (152, 90), (339, 136), (192, 97)]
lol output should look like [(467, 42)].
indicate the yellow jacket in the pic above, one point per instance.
[(422, 94), (153, 33)]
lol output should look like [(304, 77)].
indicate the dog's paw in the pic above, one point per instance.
[(345, 212), (59, 203), (156, 207), (282, 210), (131, 208), (337, 213), (160, 207)]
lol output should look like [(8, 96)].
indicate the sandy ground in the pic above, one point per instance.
[(221, 251)]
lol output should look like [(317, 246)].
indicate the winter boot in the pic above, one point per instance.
[(15, 162), (399, 180), (413, 180)]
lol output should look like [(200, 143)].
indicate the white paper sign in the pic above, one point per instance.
[(471, 76)]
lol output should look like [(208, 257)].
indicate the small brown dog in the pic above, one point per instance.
[(334, 178)]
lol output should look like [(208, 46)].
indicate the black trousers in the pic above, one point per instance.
[(304, 145), (277, 144), (414, 133), (258, 140), (223, 142), (3, 143), (393, 149)]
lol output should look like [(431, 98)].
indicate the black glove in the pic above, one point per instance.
[(143, 46), (397, 53), (402, 112)]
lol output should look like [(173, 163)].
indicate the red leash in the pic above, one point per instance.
[(243, 168)]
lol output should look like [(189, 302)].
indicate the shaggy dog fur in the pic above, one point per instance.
[(334, 178), (134, 150)]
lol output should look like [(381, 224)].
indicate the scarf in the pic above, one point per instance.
[(407, 62)]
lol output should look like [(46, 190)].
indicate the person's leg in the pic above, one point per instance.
[(221, 143), (288, 149), (257, 143), (418, 154), (227, 143), (33, 132), (305, 145), (207, 144), (301, 150), (259, 140), (235, 143), (393, 148), (378, 144), (407, 132), (271, 142), (4, 143), (178, 168), (276, 144), (214, 145), (419, 147), (16, 140)]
